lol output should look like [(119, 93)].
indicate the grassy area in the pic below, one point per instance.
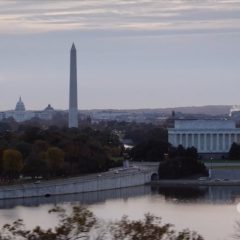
[(220, 161), (117, 159), (226, 167)]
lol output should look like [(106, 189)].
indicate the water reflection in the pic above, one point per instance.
[(184, 194), (208, 194), (210, 211), (83, 198)]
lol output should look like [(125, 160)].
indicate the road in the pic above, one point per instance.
[(109, 174)]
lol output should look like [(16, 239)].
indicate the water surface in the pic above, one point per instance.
[(211, 211)]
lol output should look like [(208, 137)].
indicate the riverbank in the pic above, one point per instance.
[(186, 182), (115, 179)]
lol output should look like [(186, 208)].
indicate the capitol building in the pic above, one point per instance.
[(20, 114), (208, 136)]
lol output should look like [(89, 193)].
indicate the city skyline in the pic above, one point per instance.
[(135, 54)]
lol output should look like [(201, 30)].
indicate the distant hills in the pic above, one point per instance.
[(213, 110), (208, 110)]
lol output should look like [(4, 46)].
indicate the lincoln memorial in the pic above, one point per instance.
[(208, 136)]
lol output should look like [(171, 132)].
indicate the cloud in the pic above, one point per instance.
[(119, 15)]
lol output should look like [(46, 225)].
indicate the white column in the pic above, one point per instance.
[(192, 140), (217, 143), (229, 140), (186, 140), (205, 142), (199, 142), (224, 142), (175, 140), (211, 142), (180, 139)]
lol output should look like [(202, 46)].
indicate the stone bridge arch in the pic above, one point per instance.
[(154, 176)]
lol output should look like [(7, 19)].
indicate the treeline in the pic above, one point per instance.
[(181, 163), (152, 150), (137, 132), (151, 145), (234, 152), (151, 141), (140, 133), (31, 151)]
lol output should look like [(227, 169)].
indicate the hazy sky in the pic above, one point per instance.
[(131, 54)]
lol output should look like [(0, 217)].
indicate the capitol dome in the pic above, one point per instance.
[(20, 105), (49, 108)]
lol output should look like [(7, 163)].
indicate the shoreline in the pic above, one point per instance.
[(194, 183), (90, 183)]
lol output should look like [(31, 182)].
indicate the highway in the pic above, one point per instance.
[(84, 178)]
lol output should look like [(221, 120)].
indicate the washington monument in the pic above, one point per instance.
[(73, 99)]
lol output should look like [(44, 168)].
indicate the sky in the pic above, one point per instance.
[(131, 53)]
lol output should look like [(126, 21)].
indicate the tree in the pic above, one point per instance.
[(54, 151), (181, 163), (55, 160), (234, 152), (4, 126), (24, 148), (36, 165), (80, 223), (40, 146), (76, 225), (151, 151), (150, 228), (12, 162)]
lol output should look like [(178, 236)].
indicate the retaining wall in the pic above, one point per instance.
[(76, 185)]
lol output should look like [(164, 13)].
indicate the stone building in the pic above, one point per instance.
[(20, 114), (209, 136)]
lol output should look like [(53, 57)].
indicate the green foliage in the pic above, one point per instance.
[(12, 162), (4, 126), (36, 165), (56, 152), (151, 151), (24, 148), (55, 159), (181, 163), (139, 133), (234, 152)]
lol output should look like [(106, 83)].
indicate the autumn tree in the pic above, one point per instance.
[(40, 146), (55, 160), (36, 165), (81, 223), (149, 228), (12, 162)]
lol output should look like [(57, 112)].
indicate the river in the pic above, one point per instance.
[(211, 211)]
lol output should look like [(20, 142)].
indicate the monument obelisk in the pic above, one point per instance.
[(73, 99)]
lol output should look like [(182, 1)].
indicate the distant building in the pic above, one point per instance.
[(20, 114), (2, 116), (235, 113), (47, 113), (207, 136)]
